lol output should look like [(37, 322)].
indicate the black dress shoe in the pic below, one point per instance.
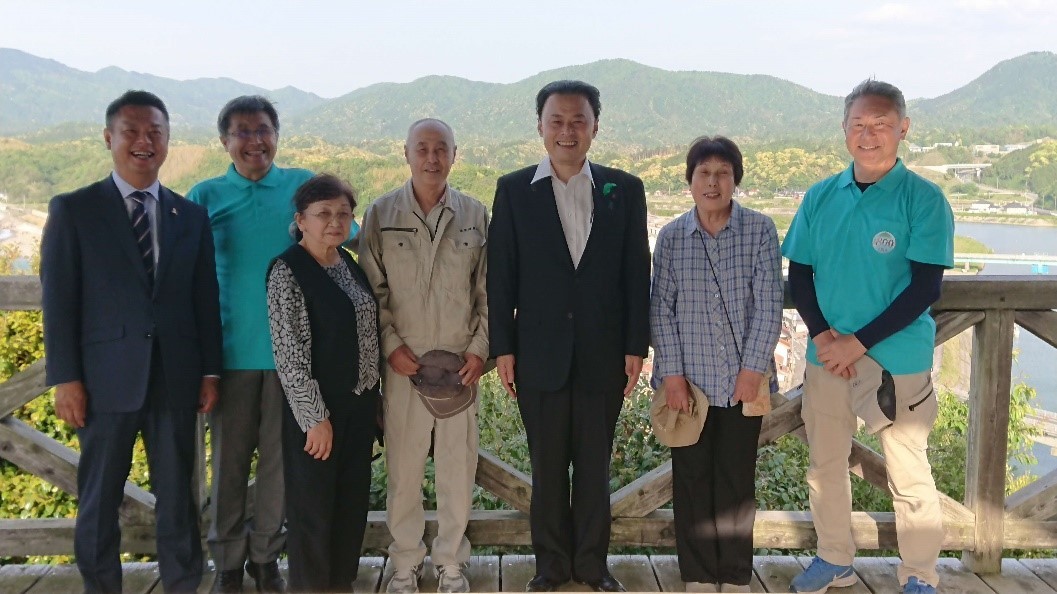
[(541, 583), (227, 582), (607, 583), (267, 576)]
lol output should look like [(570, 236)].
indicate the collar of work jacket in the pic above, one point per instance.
[(406, 202)]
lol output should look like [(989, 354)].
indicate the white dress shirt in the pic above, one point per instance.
[(575, 202)]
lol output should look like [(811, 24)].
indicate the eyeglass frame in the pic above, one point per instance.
[(262, 133), (327, 217)]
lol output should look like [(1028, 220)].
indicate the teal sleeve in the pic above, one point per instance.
[(931, 229), (797, 245), (194, 195)]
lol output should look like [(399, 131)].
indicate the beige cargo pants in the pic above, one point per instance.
[(408, 429), (830, 425)]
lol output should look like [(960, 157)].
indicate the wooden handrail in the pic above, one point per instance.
[(985, 523)]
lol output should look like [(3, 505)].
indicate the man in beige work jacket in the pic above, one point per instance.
[(423, 250)]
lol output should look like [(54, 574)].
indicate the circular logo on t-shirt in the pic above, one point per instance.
[(884, 242)]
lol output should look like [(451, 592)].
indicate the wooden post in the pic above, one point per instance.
[(985, 476)]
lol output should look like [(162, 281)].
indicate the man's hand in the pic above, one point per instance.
[(839, 355), (632, 369), (747, 385), (71, 403), (208, 394), (403, 361), (319, 440), (677, 393), (471, 372), (504, 365)]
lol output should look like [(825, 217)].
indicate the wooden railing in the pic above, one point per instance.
[(981, 526)]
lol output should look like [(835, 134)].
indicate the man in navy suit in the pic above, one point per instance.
[(132, 338), (568, 315)]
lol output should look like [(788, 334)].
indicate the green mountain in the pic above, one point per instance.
[(641, 106), (1021, 91), (37, 93)]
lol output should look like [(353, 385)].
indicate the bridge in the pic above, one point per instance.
[(963, 171), (1026, 259)]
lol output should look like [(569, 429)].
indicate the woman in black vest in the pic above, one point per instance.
[(324, 326)]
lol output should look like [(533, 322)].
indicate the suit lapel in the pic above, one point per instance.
[(599, 216), (550, 221), (169, 227), (113, 211)]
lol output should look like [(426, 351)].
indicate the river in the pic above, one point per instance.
[(1036, 362)]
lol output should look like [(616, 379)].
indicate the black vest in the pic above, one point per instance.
[(332, 318)]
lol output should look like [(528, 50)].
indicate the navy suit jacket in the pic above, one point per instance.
[(102, 319), (552, 316)]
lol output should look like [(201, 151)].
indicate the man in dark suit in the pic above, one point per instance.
[(132, 338), (568, 305)]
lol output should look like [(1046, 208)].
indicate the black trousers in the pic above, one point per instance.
[(714, 499), (570, 528), (327, 500), (106, 443)]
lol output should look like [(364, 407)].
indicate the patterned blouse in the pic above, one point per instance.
[(292, 339)]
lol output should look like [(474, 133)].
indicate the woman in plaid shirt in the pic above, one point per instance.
[(715, 317)]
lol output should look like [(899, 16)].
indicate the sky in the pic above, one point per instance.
[(332, 47)]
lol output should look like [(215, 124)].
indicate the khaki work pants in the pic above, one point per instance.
[(408, 429), (830, 425)]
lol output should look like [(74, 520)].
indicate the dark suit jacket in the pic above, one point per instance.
[(552, 316), (101, 318)]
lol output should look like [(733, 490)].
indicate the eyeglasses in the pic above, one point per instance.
[(261, 133), (327, 218)]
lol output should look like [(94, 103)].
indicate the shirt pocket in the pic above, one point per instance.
[(398, 256), (457, 263)]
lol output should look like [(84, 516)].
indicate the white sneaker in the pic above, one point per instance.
[(404, 581), (451, 579), (701, 587)]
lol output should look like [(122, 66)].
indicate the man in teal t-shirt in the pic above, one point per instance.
[(250, 211), (867, 250)]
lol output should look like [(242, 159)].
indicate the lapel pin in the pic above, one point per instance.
[(174, 211)]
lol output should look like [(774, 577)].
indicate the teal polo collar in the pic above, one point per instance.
[(270, 180), (890, 181)]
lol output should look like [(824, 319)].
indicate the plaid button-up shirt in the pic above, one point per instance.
[(690, 330)]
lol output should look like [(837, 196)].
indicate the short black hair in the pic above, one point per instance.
[(246, 104), (323, 186), (876, 88), (569, 87), (138, 99), (320, 187), (704, 148)]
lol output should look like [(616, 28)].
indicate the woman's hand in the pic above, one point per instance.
[(747, 386), (677, 393), (319, 440)]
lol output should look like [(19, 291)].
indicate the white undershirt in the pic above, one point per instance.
[(575, 201)]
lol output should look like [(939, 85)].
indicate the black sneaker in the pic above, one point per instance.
[(227, 582), (267, 576)]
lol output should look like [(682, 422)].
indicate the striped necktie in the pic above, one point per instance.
[(141, 231)]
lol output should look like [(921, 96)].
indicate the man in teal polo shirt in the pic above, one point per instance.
[(250, 210), (867, 251)]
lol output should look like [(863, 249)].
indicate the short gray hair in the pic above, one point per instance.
[(442, 123), (876, 88)]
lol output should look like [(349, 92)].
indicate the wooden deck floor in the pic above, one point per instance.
[(639, 573)]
